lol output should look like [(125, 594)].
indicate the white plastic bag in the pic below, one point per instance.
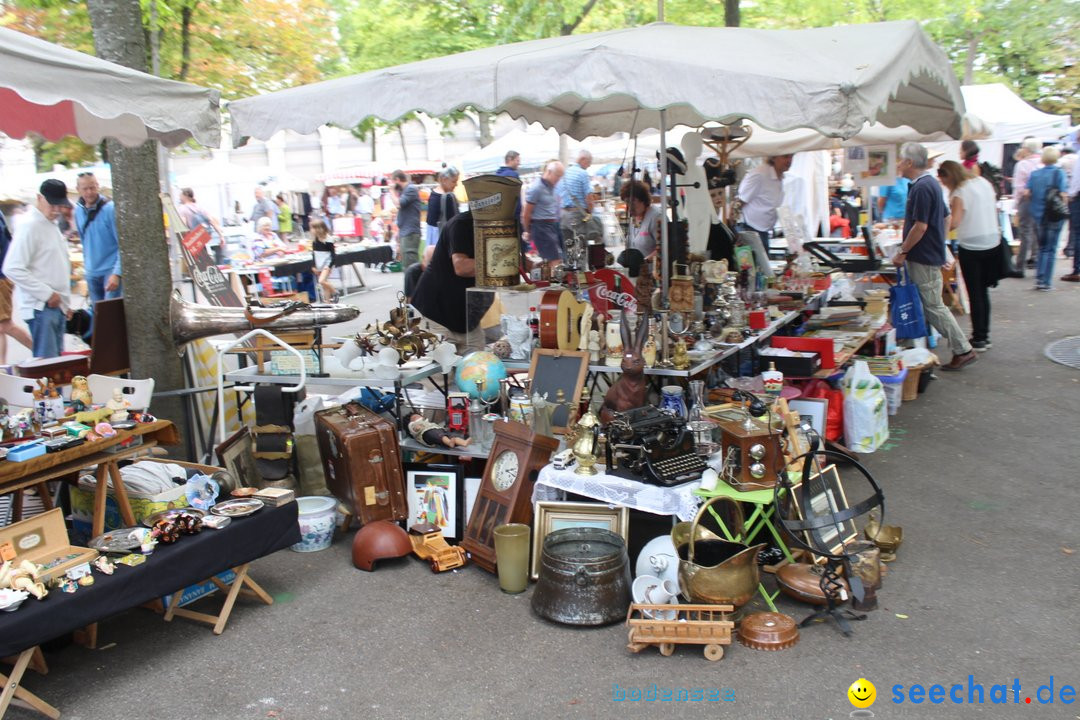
[(304, 415), (866, 413)]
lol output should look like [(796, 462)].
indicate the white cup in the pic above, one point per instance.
[(709, 479), (348, 352), (661, 594)]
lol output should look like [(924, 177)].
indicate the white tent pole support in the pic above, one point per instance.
[(223, 349), (665, 251)]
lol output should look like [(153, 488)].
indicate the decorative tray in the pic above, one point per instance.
[(124, 540), (239, 507)]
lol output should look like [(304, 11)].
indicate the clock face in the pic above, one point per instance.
[(504, 471)]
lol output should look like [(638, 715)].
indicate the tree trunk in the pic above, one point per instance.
[(119, 37), (401, 138), (731, 13), (969, 61), (484, 121), (373, 141), (186, 13)]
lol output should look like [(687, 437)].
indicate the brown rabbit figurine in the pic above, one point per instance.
[(629, 390)]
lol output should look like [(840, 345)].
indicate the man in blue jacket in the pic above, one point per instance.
[(95, 219)]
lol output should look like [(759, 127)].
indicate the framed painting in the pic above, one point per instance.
[(435, 493)]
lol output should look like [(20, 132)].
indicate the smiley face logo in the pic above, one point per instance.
[(862, 693)]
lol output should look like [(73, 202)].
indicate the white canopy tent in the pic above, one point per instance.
[(1011, 119), (831, 80), (55, 92)]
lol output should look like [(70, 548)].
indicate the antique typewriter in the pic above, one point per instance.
[(653, 446)]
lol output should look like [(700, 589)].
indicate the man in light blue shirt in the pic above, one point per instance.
[(892, 200), (95, 219), (574, 188)]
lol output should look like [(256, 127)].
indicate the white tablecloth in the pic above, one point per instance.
[(678, 501)]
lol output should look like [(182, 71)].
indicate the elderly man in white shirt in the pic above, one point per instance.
[(761, 192), (37, 263)]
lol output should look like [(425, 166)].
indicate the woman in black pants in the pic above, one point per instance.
[(973, 206)]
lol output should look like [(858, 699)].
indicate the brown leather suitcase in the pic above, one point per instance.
[(362, 461)]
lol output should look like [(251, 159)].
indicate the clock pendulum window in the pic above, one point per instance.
[(516, 456)]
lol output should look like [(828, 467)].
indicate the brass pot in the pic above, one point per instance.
[(713, 570)]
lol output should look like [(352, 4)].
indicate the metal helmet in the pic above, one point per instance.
[(377, 541)]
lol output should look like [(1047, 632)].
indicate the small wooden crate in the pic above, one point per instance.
[(691, 625)]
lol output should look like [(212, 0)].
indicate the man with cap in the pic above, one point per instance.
[(37, 263), (95, 219)]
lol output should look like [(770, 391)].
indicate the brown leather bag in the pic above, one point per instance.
[(362, 461)]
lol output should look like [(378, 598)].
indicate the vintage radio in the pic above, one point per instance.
[(653, 446), (362, 462), (752, 458)]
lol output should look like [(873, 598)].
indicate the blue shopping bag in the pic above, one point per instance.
[(907, 312)]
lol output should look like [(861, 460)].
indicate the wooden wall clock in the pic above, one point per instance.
[(517, 454)]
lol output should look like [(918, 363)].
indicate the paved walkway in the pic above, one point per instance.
[(980, 472)]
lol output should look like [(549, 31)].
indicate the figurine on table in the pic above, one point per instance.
[(680, 357), (81, 399), (432, 434), (118, 405)]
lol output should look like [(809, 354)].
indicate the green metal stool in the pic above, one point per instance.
[(760, 519)]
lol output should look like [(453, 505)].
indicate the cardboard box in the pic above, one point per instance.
[(194, 592), (43, 539), (822, 346), (82, 508)]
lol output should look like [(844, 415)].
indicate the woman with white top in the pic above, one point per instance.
[(973, 207)]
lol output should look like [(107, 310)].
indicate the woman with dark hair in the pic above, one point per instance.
[(644, 218), (973, 214), (322, 247), (969, 156)]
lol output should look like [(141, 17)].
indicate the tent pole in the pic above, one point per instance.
[(664, 235)]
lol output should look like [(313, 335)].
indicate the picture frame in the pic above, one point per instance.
[(879, 168), (472, 489), (551, 515), (435, 495), (826, 494), (236, 456), (816, 410)]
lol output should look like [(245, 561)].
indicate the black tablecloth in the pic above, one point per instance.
[(192, 559), (370, 255)]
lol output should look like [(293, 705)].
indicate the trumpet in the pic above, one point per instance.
[(190, 321)]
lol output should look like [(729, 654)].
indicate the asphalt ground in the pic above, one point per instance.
[(980, 472)]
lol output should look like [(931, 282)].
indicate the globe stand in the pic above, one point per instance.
[(811, 522), (832, 588)]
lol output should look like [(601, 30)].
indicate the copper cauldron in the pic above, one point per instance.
[(713, 570), (584, 577)]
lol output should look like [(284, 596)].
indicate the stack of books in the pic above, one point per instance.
[(275, 497), (882, 364)]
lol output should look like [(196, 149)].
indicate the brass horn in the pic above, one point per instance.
[(189, 321)]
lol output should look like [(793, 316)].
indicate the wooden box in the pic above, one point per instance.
[(745, 447), (43, 539)]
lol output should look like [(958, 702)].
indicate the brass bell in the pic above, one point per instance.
[(757, 470), (757, 451)]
